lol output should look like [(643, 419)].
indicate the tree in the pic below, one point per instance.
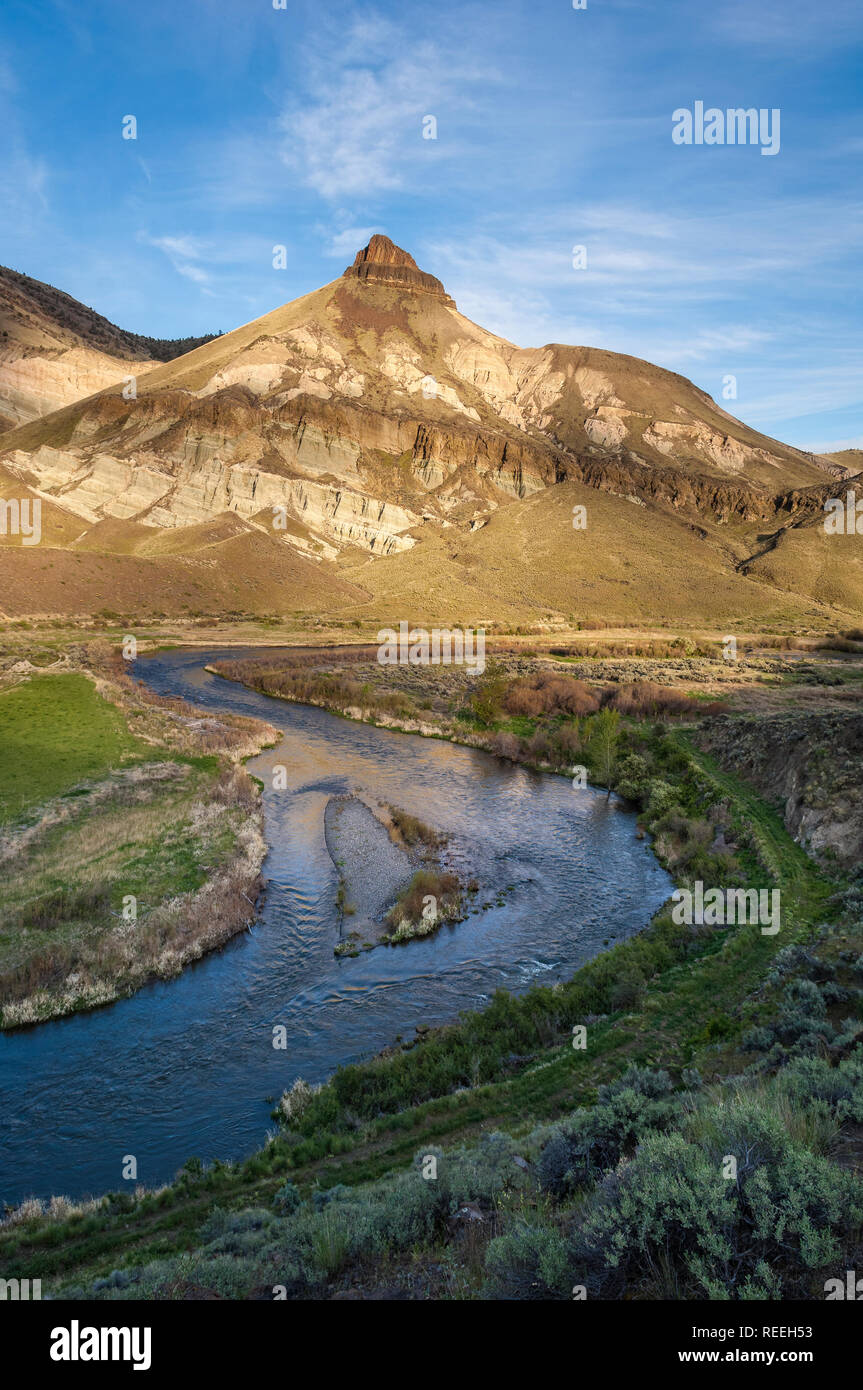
[(487, 697), (604, 736)]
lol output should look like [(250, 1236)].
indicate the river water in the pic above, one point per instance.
[(186, 1067)]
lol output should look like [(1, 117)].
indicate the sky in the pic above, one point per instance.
[(302, 124)]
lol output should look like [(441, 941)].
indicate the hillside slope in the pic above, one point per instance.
[(54, 350), (370, 418)]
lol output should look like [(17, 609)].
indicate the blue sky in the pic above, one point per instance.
[(303, 126)]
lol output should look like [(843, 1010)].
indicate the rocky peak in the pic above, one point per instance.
[(384, 263)]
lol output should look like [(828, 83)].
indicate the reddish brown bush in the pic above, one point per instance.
[(545, 692), (570, 740), (539, 748), (646, 700), (524, 699), (506, 746)]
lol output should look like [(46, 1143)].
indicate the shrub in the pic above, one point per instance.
[(545, 692), (809, 1079), (633, 777), (627, 992), (443, 886), (570, 740), (487, 698), (582, 1147), (287, 1199), (661, 797), (412, 830), (800, 1024), (506, 745), (671, 1208), (645, 700), (528, 1262)]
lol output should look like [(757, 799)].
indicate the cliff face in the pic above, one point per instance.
[(370, 413), (35, 383), (811, 765), (384, 263)]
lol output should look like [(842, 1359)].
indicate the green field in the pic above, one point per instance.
[(97, 822), (55, 732)]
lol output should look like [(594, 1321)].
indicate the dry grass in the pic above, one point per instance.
[(406, 917), (413, 831)]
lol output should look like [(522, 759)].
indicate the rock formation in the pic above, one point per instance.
[(384, 263), (369, 418)]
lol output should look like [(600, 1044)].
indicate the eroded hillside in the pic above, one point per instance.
[(371, 419)]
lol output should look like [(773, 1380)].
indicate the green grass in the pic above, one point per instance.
[(55, 732), (695, 1007), (86, 837)]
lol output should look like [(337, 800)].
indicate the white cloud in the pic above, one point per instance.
[(211, 264), (359, 129), (831, 386), (24, 176), (184, 253), (348, 242)]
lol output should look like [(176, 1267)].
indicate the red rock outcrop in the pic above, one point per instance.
[(384, 263)]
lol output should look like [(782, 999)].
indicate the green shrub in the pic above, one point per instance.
[(528, 1262), (671, 1221), (287, 1199), (583, 1147)]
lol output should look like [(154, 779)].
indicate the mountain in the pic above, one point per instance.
[(54, 350), (370, 431)]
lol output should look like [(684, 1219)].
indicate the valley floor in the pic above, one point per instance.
[(560, 1158)]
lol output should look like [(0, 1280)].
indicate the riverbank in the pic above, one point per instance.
[(686, 1009), (706, 1015), (537, 710), (127, 853)]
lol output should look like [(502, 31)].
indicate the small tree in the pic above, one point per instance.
[(487, 698), (604, 737)]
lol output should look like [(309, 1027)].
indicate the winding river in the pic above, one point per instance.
[(187, 1066)]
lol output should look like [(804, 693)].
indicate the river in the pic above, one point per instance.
[(185, 1067)]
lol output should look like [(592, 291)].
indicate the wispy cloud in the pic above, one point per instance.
[(359, 128), (810, 390), (185, 254), (212, 264), (348, 242), (303, 127), (24, 175)]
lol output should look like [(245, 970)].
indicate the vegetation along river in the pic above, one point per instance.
[(185, 1067)]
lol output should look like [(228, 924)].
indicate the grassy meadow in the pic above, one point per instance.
[(56, 731), (126, 847)]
